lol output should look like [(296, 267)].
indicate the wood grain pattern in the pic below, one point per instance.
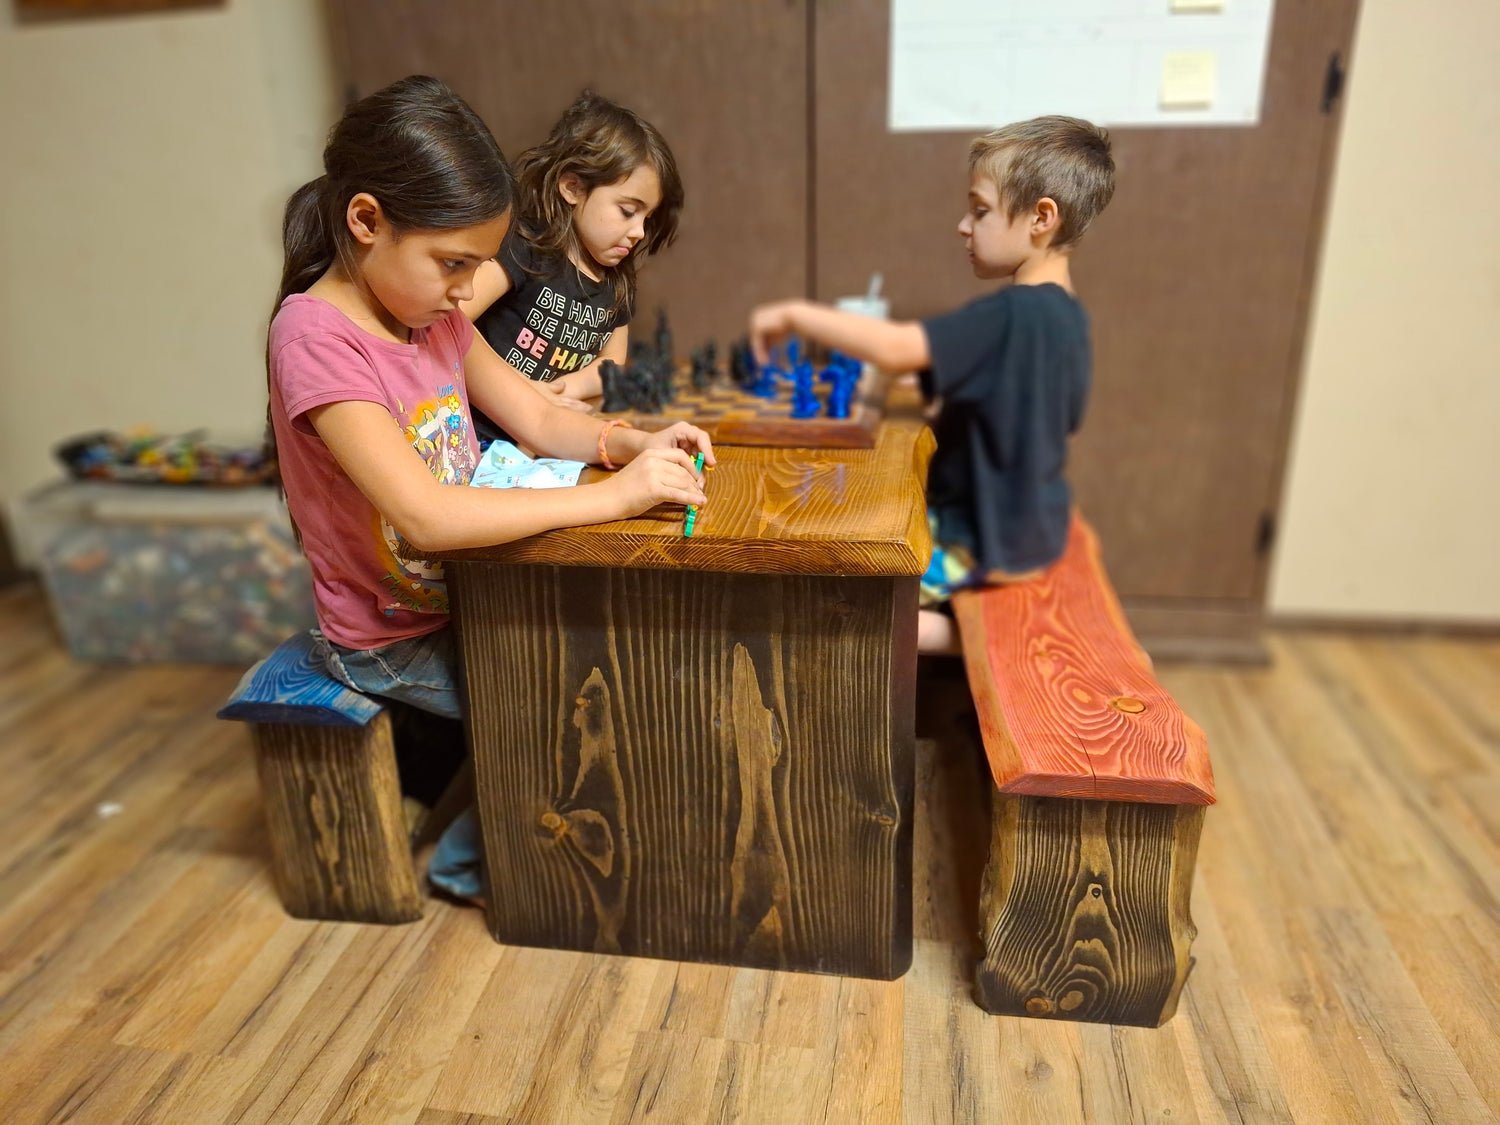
[(1084, 913), (1066, 697), (292, 686), (333, 802), (698, 766), (770, 511), (732, 416), (1345, 957)]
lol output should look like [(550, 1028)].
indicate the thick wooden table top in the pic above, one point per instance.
[(770, 511)]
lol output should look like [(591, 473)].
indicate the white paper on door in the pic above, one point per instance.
[(975, 64)]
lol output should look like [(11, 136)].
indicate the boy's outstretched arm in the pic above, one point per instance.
[(895, 346)]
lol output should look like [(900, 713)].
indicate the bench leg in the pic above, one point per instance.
[(339, 844), (1084, 909)]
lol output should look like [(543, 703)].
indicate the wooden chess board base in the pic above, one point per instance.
[(735, 417)]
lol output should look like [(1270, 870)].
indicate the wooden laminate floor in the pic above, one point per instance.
[(1348, 960)]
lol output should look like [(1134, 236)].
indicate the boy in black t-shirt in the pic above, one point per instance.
[(1010, 371)]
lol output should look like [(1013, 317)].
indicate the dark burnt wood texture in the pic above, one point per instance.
[(700, 766), (339, 844), (1084, 911), (1066, 698)]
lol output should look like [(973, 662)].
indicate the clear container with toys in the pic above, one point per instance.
[(162, 573)]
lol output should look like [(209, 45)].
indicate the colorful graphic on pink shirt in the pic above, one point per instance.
[(366, 595), (439, 431)]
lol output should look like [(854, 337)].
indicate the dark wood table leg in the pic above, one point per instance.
[(1084, 913), (696, 766)]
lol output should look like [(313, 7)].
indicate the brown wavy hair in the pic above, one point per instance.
[(601, 142)]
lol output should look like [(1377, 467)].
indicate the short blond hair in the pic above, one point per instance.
[(1064, 159)]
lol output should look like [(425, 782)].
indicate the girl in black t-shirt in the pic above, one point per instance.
[(598, 195)]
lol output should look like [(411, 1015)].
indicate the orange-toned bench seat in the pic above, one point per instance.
[(1102, 783)]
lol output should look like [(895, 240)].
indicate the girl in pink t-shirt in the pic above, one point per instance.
[(372, 370)]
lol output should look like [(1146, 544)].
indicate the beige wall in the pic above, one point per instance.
[(1392, 506), (143, 164)]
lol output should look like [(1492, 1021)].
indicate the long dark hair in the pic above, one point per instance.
[(601, 142), (425, 156)]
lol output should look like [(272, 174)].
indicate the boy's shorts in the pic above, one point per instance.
[(952, 569)]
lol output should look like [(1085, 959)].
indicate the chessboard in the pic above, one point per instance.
[(733, 416)]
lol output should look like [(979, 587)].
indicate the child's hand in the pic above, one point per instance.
[(558, 393), (769, 325), (681, 435), (658, 476), (559, 396)]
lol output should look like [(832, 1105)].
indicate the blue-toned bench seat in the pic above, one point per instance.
[(326, 759)]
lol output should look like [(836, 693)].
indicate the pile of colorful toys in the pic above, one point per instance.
[(145, 457)]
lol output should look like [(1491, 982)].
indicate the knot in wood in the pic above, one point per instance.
[(1127, 704), (1039, 1006), (554, 823)]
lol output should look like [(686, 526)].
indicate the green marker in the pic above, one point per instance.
[(692, 512)]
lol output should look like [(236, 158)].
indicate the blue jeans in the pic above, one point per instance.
[(422, 671)]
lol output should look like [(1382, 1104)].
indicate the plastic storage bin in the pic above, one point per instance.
[(142, 572)]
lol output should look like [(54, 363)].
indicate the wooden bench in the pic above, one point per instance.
[(326, 758), (1102, 786)]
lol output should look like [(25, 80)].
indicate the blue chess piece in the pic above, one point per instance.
[(838, 361), (845, 377), (766, 381), (805, 402)]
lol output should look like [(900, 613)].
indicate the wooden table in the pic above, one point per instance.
[(701, 749)]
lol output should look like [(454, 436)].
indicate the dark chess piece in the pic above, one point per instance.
[(742, 366), (705, 366), (616, 397), (640, 387), (662, 389)]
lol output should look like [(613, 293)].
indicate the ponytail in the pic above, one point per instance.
[(306, 243), (421, 152)]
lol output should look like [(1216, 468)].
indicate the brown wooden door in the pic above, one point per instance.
[(1197, 280), (726, 83)]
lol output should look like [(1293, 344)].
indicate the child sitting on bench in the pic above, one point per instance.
[(1010, 371)]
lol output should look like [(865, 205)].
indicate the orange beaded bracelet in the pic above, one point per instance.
[(604, 438)]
